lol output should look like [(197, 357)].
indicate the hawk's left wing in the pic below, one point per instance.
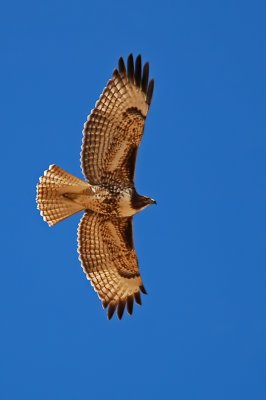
[(109, 260)]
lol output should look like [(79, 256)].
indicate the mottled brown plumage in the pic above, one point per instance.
[(111, 137)]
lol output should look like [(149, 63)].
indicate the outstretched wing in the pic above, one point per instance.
[(109, 260), (114, 128)]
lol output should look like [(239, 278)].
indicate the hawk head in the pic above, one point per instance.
[(139, 202)]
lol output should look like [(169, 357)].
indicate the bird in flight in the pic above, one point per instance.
[(111, 138)]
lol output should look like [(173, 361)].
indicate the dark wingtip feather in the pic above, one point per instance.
[(145, 78), (143, 290), (136, 75), (130, 68), (105, 303), (111, 310), (120, 309), (137, 298), (138, 70), (150, 91), (115, 73), (130, 304), (121, 66)]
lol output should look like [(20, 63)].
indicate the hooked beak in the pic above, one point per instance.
[(153, 201)]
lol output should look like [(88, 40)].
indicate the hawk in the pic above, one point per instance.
[(111, 137)]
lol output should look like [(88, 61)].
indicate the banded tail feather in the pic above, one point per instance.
[(54, 206)]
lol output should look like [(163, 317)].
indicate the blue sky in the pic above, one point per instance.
[(201, 332)]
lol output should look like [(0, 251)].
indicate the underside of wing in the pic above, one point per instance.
[(114, 128), (109, 260)]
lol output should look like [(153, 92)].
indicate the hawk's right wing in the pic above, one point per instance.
[(109, 260), (113, 131)]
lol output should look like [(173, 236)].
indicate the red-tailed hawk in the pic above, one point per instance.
[(111, 137)]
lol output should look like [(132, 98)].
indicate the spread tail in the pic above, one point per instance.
[(53, 205)]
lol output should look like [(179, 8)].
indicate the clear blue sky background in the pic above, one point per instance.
[(201, 332)]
